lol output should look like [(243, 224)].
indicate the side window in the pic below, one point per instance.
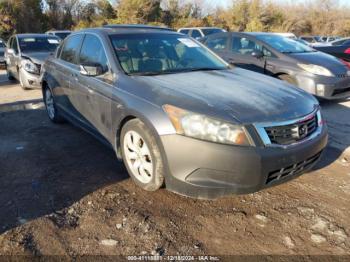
[(195, 33), (184, 31), (71, 48), (92, 52), (267, 52), (218, 44), (244, 46)]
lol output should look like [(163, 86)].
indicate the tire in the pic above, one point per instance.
[(24, 87), (288, 79), (9, 75), (50, 106), (139, 146)]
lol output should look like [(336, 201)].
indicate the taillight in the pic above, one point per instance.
[(347, 51)]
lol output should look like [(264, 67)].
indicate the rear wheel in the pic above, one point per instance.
[(51, 107), (141, 155)]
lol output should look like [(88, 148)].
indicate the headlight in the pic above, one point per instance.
[(29, 66), (316, 69), (206, 128)]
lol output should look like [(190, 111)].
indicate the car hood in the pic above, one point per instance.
[(319, 58), (235, 95), (37, 57)]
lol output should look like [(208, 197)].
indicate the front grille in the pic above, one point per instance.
[(341, 91), (291, 170), (289, 134)]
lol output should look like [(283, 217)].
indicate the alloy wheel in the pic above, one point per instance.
[(138, 156), (50, 108)]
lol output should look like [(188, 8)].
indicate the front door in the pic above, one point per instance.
[(95, 92), (241, 52)]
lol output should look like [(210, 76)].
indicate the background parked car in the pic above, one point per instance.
[(339, 48), (288, 35), (315, 72), (312, 39), (177, 113), (199, 32), (2, 54), (61, 34), (24, 55)]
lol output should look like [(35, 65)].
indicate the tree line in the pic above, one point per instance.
[(320, 17)]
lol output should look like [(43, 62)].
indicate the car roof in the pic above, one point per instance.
[(136, 26), (128, 29), (59, 31), (201, 27)]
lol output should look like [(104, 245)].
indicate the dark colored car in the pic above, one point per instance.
[(318, 73), (339, 48), (178, 115), (24, 55)]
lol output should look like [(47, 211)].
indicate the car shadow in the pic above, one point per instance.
[(337, 117), (45, 168)]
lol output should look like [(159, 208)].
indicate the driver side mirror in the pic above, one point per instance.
[(257, 54), (91, 69)]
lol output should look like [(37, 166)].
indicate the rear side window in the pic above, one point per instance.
[(218, 44), (71, 48), (92, 52)]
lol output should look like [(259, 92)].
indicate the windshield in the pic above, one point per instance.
[(284, 44), (2, 45), (152, 54), (62, 35), (210, 31), (38, 44)]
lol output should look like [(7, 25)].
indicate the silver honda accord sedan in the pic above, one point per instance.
[(178, 115)]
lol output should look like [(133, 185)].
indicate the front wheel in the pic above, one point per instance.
[(141, 155), (21, 81)]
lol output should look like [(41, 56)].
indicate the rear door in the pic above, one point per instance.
[(66, 72), (241, 51), (94, 93)]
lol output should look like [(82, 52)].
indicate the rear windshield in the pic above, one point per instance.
[(284, 44), (152, 53), (210, 31), (38, 44)]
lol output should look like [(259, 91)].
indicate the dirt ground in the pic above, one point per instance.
[(64, 193)]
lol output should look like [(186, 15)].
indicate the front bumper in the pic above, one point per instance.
[(30, 80), (208, 170), (337, 87)]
